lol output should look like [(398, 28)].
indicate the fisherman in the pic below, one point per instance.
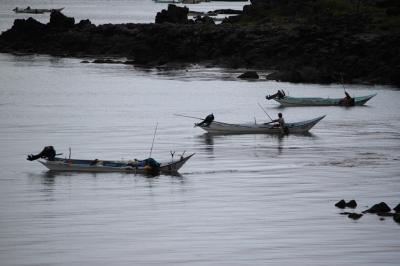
[(347, 100), (280, 120), (206, 122), (280, 94)]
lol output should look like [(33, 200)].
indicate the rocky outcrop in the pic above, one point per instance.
[(322, 50), (249, 75), (397, 208), (396, 217), (174, 14), (343, 204), (354, 215), (60, 22), (378, 208)]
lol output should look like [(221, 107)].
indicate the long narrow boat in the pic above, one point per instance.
[(315, 101), (48, 158), (142, 166), (266, 128), (35, 10)]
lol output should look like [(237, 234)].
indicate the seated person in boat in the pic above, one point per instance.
[(206, 122), (280, 121), (280, 94), (47, 153), (347, 100)]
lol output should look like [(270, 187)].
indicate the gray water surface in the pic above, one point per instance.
[(241, 200)]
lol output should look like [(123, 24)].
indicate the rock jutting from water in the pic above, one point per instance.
[(249, 75), (397, 208), (378, 208), (343, 204), (299, 42)]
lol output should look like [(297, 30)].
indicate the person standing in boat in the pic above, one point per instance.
[(206, 122)]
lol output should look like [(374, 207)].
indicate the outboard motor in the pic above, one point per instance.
[(280, 94), (47, 153)]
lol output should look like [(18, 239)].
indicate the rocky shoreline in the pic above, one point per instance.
[(311, 53)]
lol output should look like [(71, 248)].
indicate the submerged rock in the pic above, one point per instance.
[(249, 75), (378, 208), (385, 214), (396, 217), (355, 216), (107, 61)]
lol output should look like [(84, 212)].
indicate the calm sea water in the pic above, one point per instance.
[(241, 200)]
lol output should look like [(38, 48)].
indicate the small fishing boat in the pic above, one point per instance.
[(316, 101), (168, 1), (266, 128), (35, 10), (150, 166)]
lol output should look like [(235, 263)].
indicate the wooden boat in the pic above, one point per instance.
[(266, 128), (168, 1), (35, 10), (48, 158), (134, 166), (299, 101)]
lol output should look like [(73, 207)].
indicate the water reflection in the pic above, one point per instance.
[(208, 142)]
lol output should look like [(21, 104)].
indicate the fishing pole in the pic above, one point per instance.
[(187, 116), (264, 111), (154, 137)]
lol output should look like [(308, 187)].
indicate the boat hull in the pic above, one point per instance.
[(290, 128), (36, 10), (74, 165), (297, 101)]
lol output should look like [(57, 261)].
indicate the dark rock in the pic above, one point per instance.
[(59, 21), (129, 62), (174, 14), (355, 216), (106, 61), (341, 204), (393, 11), (385, 214), (85, 62), (345, 213), (397, 208), (249, 75), (396, 217), (302, 42), (227, 11), (378, 208), (204, 20), (351, 204), (85, 23), (29, 25)]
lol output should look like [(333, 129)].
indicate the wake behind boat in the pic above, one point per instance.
[(287, 101), (48, 158)]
